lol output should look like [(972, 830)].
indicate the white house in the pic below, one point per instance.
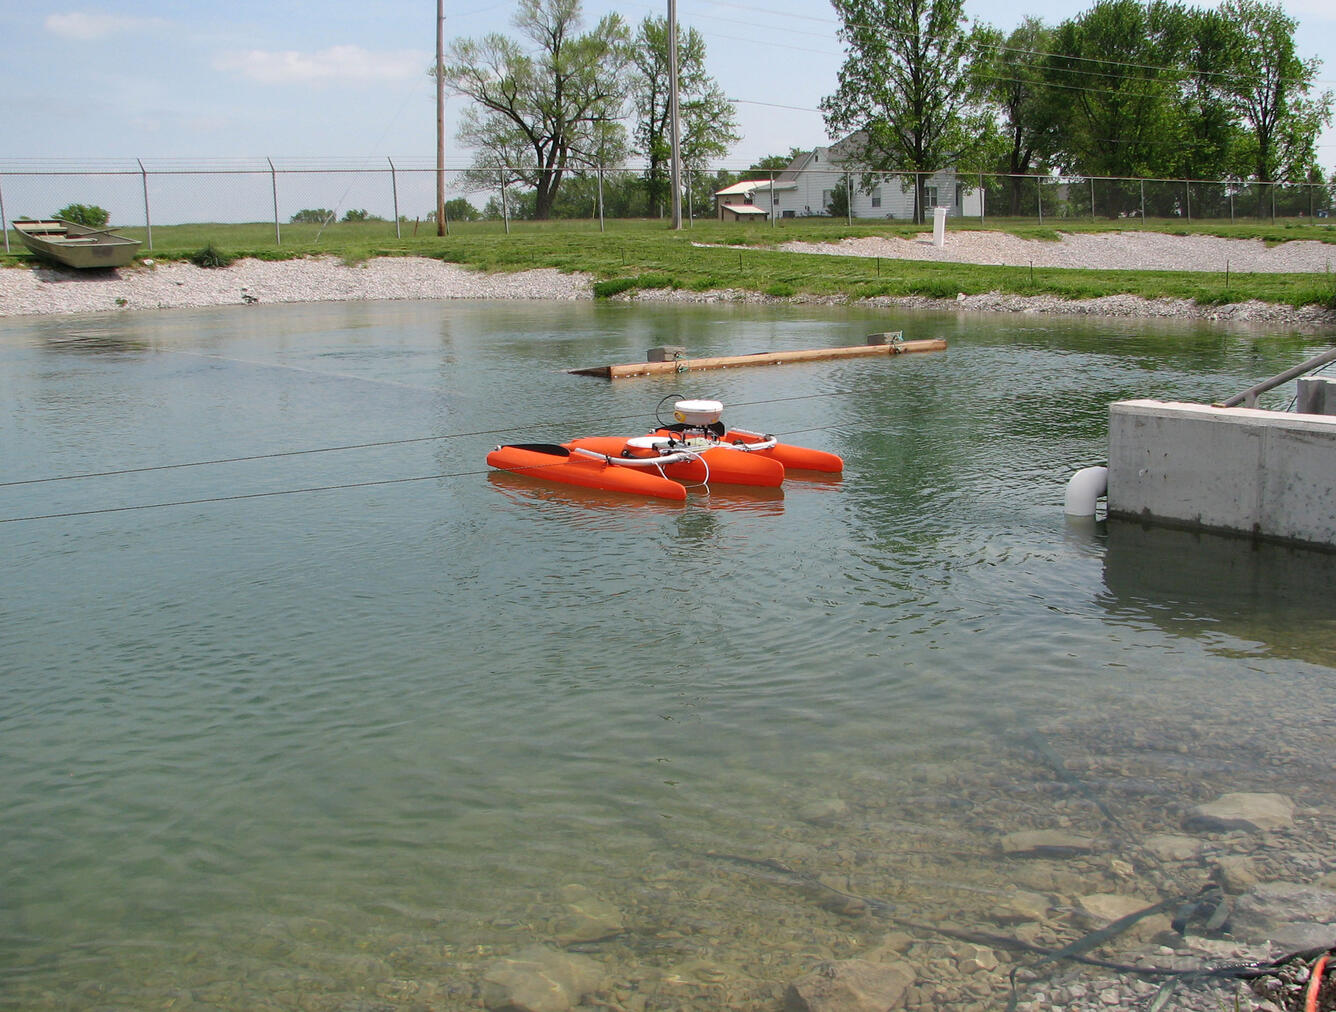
[(807, 186)]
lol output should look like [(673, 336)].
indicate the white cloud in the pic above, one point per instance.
[(86, 26), (338, 63)]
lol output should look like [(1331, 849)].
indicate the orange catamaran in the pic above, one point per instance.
[(695, 449)]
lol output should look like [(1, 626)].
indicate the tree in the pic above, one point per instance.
[(539, 113), (460, 209), (360, 214), (773, 163), (707, 119), (1269, 91), (312, 216), (84, 214), (1116, 77), (1012, 76), (839, 199), (906, 90)]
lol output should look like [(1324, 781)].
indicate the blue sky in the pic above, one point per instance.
[(347, 81)]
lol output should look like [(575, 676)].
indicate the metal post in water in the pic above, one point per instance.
[(273, 179)]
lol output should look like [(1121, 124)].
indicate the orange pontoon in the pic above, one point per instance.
[(695, 450)]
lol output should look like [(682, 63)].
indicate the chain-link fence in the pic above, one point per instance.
[(403, 195)]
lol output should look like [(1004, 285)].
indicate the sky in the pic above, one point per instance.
[(347, 83)]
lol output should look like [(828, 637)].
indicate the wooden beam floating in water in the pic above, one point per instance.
[(760, 358)]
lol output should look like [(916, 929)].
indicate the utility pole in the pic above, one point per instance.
[(675, 128), (440, 117)]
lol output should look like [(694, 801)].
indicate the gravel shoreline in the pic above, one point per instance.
[(45, 290)]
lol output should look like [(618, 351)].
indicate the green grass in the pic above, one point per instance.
[(632, 255)]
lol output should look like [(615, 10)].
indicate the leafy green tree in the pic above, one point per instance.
[(1114, 82), (460, 209), (839, 199), (907, 91), (772, 163), (707, 119), (360, 214), (312, 216), (1270, 92), (1011, 73), (541, 112), (84, 214)]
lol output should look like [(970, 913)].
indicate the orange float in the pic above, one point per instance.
[(694, 450)]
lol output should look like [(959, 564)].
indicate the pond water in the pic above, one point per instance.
[(349, 747)]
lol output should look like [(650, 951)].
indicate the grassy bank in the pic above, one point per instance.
[(706, 256)]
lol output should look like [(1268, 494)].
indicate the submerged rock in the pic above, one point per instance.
[(539, 979), (1293, 915), (586, 917), (1046, 843), (1250, 812), (850, 985)]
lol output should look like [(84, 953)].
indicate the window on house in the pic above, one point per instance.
[(876, 197), (930, 195), (827, 198)]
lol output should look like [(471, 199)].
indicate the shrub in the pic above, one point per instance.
[(84, 214), (607, 289), (312, 216), (210, 256)]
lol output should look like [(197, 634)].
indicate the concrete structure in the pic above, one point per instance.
[(1316, 395), (1266, 473)]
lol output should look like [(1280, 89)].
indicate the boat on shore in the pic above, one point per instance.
[(694, 450), (75, 245)]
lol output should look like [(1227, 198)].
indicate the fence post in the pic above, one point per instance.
[(1143, 203), (601, 226), (1092, 200), (1187, 189), (1039, 197), (983, 197), (1273, 202), (505, 210), (273, 179), (773, 214), (148, 219), (394, 193), (691, 211), (849, 197), (4, 222), (1231, 205)]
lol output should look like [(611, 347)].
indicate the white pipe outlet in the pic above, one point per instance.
[(1085, 488)]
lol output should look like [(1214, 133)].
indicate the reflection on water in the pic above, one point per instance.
[(1274, 598), (351, 748)]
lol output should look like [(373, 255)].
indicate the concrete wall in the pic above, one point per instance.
[(1267, 473)]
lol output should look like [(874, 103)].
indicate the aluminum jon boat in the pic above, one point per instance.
[(695, 449), (76, 245)]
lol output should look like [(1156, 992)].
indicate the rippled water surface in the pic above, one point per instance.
[(352, 745)]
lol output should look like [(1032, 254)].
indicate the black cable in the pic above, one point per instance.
[(365, 446)]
